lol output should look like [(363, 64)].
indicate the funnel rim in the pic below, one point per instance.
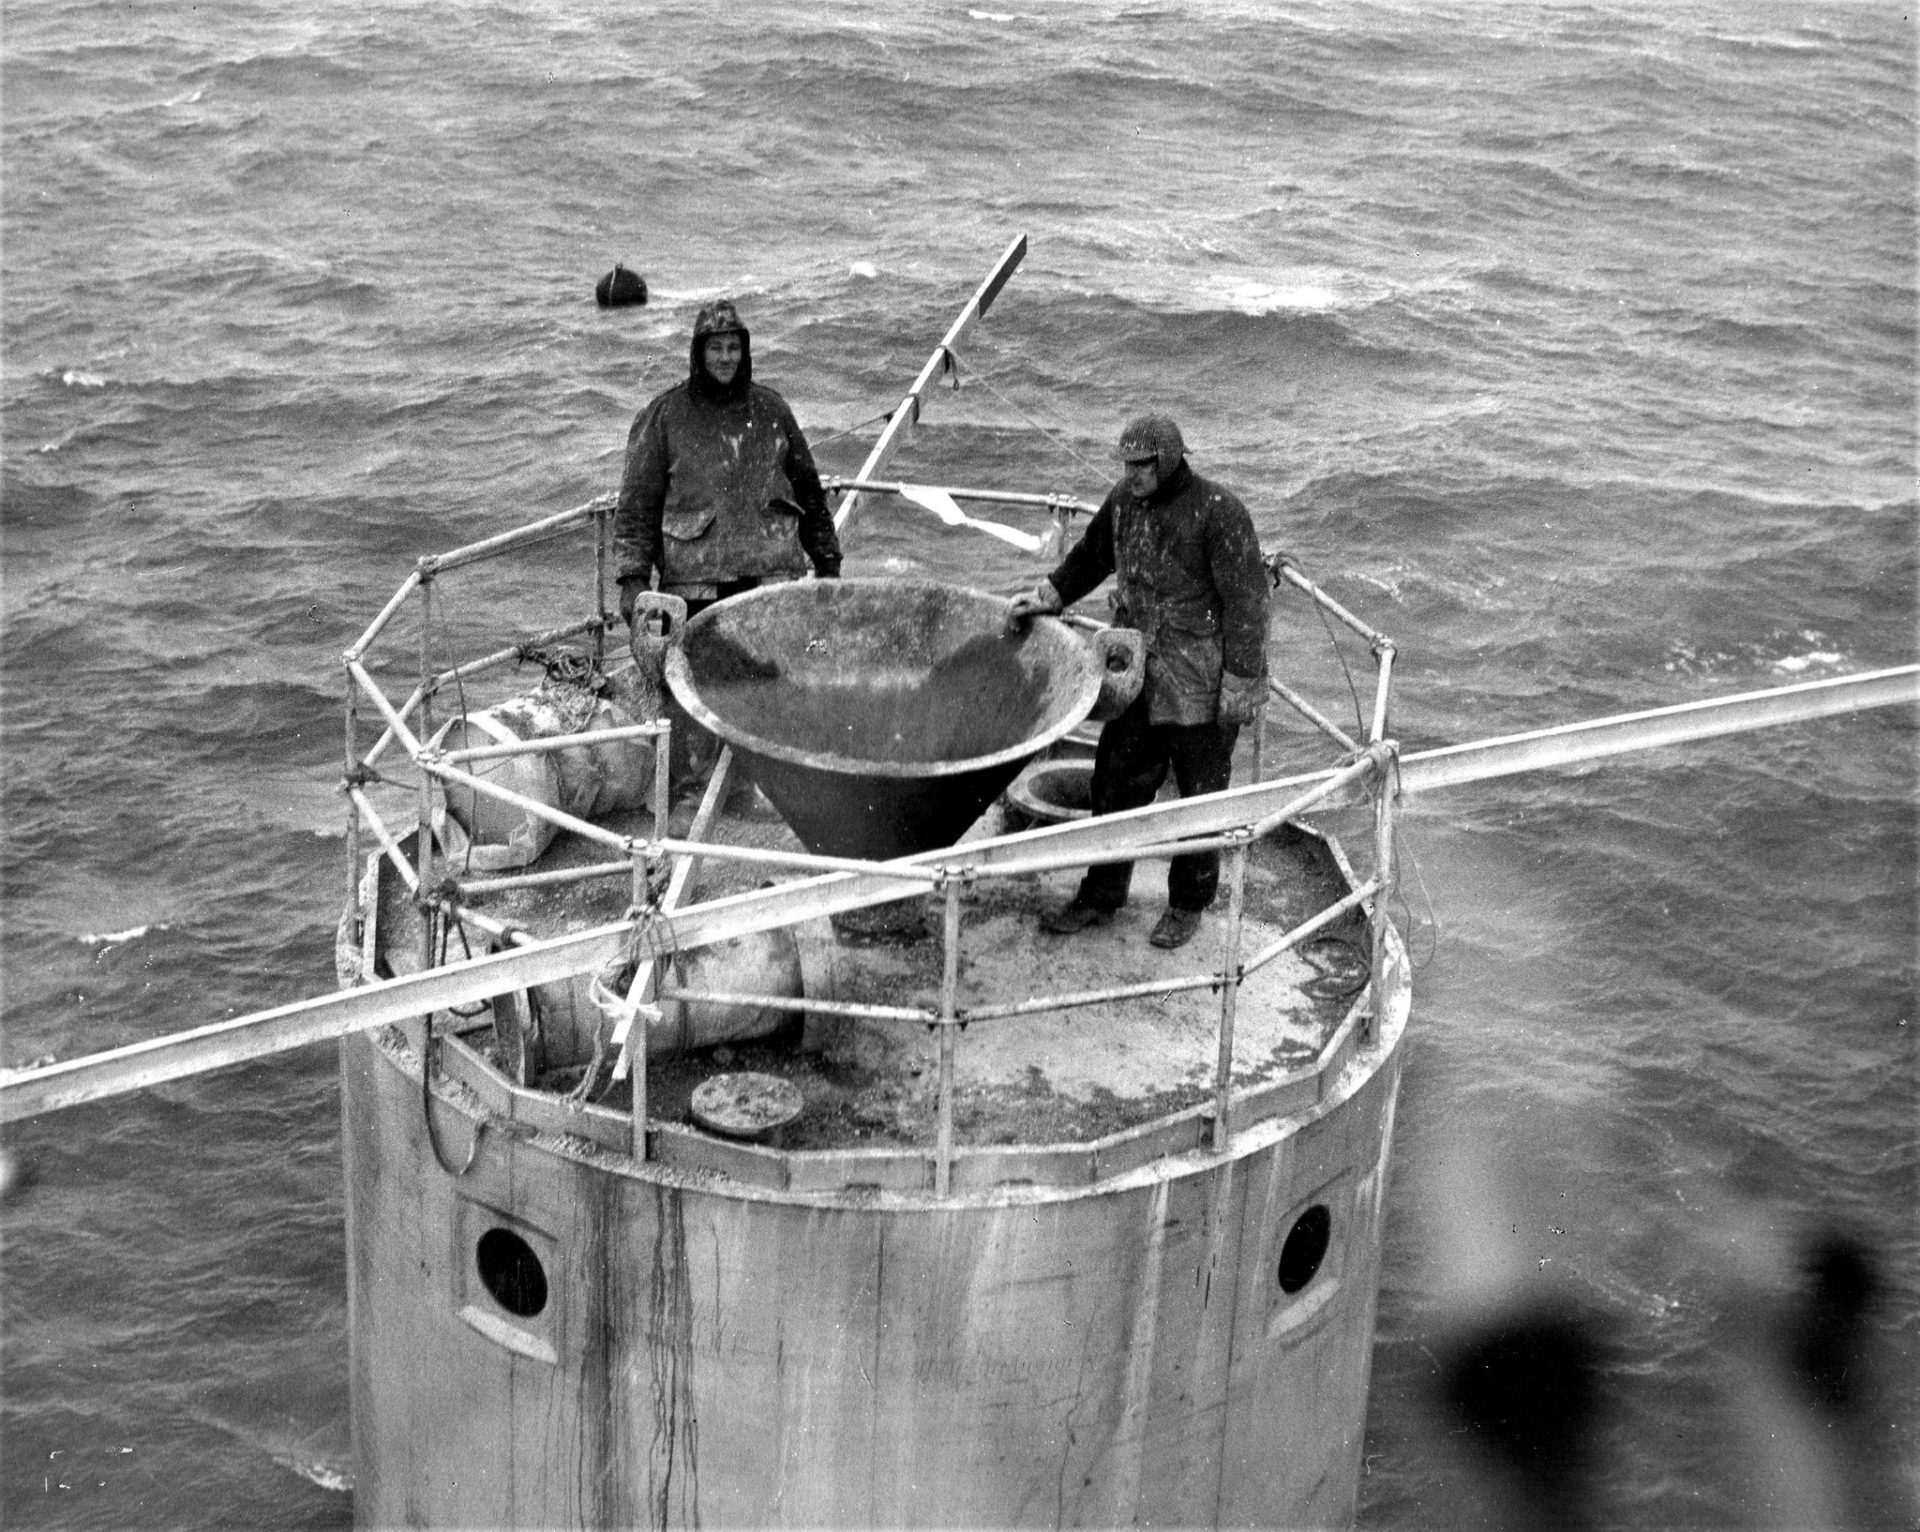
[(680, 680)]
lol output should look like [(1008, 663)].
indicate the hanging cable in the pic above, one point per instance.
[(1359, 709), (1404, 851), (1336, 980), (426, 1110), (1052, 435), (859, 425)]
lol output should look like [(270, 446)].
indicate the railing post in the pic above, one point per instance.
[(350, 772), (949, 1003), (637, 1074), (602, 523), (662, 780), (424, 833), (1387, 755), (1229, 992), (640, 903), (1382, 688)]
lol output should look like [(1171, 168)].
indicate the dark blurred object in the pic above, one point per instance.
[(17, 1176), (1828, 1338), (1816, 1417), (621, 288), (1540, 1402), (1526, 1391)]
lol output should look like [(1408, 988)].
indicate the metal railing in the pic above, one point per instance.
[(943, 875), (54, 1085)]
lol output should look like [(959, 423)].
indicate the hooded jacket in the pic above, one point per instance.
[(718, 483), (1187, 568)]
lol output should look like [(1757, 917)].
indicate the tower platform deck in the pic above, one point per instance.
[(1058, 1076)]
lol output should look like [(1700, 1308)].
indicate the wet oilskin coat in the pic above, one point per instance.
[(1188, 573), (719, 486)]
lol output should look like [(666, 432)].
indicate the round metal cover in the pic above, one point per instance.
[(745, 1105)]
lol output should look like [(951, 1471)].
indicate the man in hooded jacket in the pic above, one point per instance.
[(1189, 577), (719, 491)]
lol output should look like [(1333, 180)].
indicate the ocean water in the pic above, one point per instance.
[(1571, 345)]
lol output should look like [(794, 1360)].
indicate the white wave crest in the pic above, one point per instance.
[(1793, 664), (330, 1476), (115, 938)]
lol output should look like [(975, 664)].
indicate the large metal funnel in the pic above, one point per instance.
[(881, 717)]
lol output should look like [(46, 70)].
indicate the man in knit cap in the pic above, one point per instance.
[(1189, 577)]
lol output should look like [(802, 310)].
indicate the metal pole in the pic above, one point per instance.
[(1572, 744), (1314, 716), (354, 869), (809, 1003), (1069, 1001), (1229, 994), (906, 414), (662, 777), (548, 744), (397, 727), (1383, 874), (432, 765), (1309, 927), (1385, 650), (532, 532), (833, 483), (474, 887), (949, 995), (1300, 582), (637, 1053), (374, 628), (424, 849), (603, 523)]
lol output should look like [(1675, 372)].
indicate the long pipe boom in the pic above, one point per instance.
[(1574, 743), (26, 1093)]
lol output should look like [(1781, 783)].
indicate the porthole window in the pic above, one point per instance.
[(1305, 1249), (511, 1272)]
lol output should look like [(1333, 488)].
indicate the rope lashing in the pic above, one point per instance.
[(650, 940), (568, 666)]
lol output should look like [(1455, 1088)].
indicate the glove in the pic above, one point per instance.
[(1241, 698), (1042, 601), (629, 597)]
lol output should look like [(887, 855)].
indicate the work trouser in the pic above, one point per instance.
[(1129, 766)]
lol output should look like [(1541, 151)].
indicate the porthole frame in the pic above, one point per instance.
[(481, 1308), (1290, 1313)]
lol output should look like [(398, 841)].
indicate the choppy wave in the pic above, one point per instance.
[(1570, 346)]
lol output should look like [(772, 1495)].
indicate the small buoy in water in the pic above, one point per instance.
[(621, 288)]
